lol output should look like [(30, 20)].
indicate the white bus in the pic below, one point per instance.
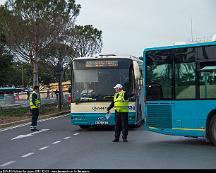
[(93, 79)]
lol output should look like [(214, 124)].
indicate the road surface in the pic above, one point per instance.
[(60, 145)]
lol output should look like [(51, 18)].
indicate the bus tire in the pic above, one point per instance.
[(212, 130), (84, 126), (140, 114), (139, 124)]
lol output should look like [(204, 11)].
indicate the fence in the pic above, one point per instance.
[(22, 98)]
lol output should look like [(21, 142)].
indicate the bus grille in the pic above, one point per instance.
[(159, 116)]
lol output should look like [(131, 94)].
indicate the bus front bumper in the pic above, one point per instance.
[(98, 119)]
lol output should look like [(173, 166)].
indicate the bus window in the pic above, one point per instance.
[(206, 53), (185, 73), (98, 83), (208, 80), (159, 71), (185, 81)]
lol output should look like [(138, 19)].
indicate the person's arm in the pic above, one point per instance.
[(127, 95), (110, 107), (34, 97)]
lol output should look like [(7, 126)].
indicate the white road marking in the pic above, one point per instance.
[(22, 136), (30, 134), (75, 134), (27, 155), (8, 163), (13, 127), (43, 148), (25, 124), (56, 142), (67, 137)]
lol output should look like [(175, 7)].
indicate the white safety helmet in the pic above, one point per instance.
[(118, 86)]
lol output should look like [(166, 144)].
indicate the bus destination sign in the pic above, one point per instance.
[(101, 63)]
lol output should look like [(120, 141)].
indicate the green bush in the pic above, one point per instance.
[(13, 111)]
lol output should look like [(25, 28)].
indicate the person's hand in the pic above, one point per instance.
[(133, 93), (108, 112)]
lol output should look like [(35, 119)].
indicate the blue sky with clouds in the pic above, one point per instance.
[(129, 26)]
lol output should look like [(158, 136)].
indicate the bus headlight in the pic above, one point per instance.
[(131, 117)]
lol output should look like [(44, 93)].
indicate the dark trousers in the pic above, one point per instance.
[(121, 124), (35, 114)]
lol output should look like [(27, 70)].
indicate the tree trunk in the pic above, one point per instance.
[(61, 97), (35, 73)]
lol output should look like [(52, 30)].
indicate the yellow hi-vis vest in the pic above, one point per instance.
[(37, 102), (120, 104)]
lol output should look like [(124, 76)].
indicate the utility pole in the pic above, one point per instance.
[(192, 39)]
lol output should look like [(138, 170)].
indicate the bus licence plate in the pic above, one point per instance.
[(101, 122)]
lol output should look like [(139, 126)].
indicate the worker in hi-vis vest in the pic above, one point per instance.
[(34, 103), (120, 104)]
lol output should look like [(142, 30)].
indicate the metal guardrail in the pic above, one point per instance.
[(7, 106), (22, 99)]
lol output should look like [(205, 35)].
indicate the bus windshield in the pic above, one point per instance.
[(96, 84)]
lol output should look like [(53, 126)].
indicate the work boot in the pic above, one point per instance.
[(115, 140), (125, 140), (34, 130)]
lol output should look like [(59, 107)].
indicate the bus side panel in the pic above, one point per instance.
[(180, 117), (192, 115)]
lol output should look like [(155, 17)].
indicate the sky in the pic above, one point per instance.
[(130, 26)]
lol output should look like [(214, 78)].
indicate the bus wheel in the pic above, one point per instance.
[(212, 130), (140, 115), (84, 126)]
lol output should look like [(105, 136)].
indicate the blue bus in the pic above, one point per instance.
[(93, 79), (180, 90)]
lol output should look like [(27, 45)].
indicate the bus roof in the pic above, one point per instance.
[(111, 56), (180, 46)]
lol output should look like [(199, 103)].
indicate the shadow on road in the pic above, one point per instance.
[(105, 128), (179, 142)]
